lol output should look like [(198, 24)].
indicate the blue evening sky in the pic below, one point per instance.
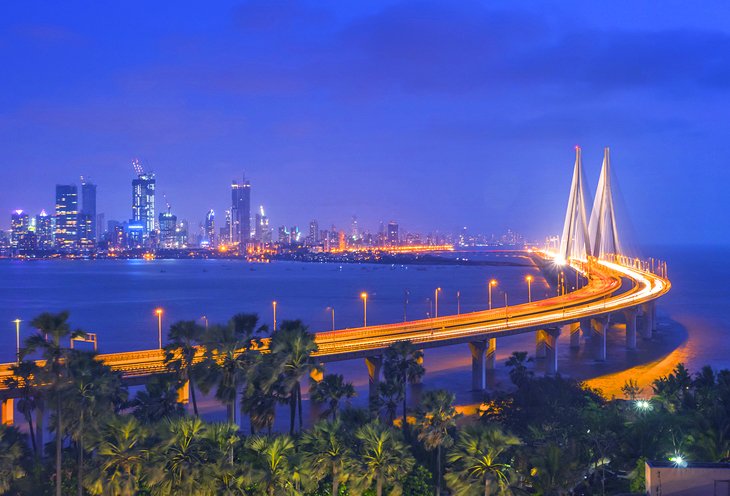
[(435, 114)]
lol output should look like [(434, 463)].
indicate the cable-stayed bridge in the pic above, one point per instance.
[(617, 288)]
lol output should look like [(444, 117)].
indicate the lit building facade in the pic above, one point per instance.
[(241, 212), (168, 230), (19, 226), (67, 216), (393, 234), (44, 230), (143, 202), (210, 227), (88, 208)]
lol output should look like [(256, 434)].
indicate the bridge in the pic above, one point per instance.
[(617, 287)]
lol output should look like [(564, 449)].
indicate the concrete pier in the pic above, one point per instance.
[(374, 364), (551, 350), (8, 411), (540, 344), (631, 316), (599, 327), (478, 350)]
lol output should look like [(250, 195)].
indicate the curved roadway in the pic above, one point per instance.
[(601, 295)]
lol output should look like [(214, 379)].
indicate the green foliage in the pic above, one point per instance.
[(419, 482)]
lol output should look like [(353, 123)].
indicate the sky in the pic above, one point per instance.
[(437, 115)]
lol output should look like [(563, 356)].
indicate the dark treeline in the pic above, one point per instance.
[(546, 436)]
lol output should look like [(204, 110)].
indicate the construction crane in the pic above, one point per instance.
[(137, 167)]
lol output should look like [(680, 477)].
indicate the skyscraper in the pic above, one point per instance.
[(44, 230), (313, 237), (67, 216), (261, 228), (241, 212), (19, 226), (143, 202), (393, 238), (168, 228), (88, 206), (210, 227)]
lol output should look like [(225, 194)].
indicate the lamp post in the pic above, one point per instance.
[(436, 299), (406, 293), (17, 338), (273, 306), (204, 318), (492, 283), (332, 309), (458, 303), (529, 288), (364, 297), (158, 312), (506, 308)]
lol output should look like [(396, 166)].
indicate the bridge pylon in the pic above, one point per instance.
[(604, 236), (575, 242)]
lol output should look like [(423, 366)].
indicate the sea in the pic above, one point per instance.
[(117, 299)]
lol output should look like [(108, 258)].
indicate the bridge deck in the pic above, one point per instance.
[(600, 296)]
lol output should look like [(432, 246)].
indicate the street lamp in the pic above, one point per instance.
[(273, 306), (332, 309), (529, 288), (158, 312), (492, 283), (458, 303), (436, 299), (17, 338), (204, 318), (364, 297)]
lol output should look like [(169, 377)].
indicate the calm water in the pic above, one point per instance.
[(116, 299)]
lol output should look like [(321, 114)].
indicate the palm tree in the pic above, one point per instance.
[(94, 392), (228, 356), (12, 447), (402, 363), (158, 400), (54, 371), (555, 470), (180, 463), (293, 346), (437, 416), (24, 383), (270, 467), (480, 462), (518, 373), (390, 393), (326, 453), (121, 457), (331, 389), (183, 340), (382, 457), (262, 393), (227, 475)]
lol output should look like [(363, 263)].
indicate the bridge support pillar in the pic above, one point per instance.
[(600, 326), (630, 316), (8, 411), (540, 338), (551, 350), (374, 364), (420, 362), (647, 320), (574, 330), (183, 393), (491, 354), (478, 349)]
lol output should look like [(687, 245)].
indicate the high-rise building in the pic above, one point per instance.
[(354, 229), (143, 202), (313, 237), (44, 230), (86, 232), (210, 227), (67, 216), (262, 229), (19, 226), (241, 212), (88, 206), (168, 230), (393, 237)]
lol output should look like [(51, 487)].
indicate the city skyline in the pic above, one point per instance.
[(376, 109)]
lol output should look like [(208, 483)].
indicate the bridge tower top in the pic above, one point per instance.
[(602, 225), (575, 241)]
